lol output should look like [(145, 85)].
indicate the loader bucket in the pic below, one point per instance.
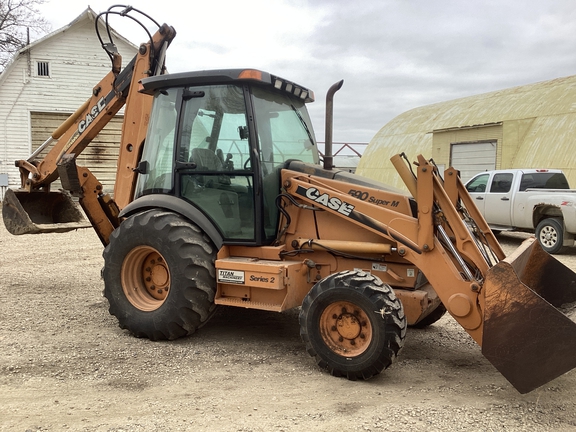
[(40, 212), (529, 319)]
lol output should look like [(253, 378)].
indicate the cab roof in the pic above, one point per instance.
[(224, 76)]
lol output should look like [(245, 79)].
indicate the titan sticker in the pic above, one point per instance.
[(230, 276)]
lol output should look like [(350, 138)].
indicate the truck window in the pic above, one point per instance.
[(478, 184), (543, 180), (501, 183)]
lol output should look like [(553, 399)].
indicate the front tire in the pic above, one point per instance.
[(159, 275), (352, 324), (550, 235)]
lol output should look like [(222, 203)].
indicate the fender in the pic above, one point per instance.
[(176, 205)]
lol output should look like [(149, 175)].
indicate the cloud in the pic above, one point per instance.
[(397, 55), (394, 55)]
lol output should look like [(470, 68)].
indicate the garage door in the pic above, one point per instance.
[(100, 156), (472, 158)]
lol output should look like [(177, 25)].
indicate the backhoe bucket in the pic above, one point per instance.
[(41, 212), (529, 320)]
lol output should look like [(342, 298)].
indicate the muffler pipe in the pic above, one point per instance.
[(328, 157)]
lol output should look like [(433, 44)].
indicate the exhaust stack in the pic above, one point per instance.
[(328, 158)]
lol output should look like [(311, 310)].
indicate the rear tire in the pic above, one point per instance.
[(159, 275), (550, 235), (353, 324)]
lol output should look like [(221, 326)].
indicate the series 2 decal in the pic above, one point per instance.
[(262, 279)]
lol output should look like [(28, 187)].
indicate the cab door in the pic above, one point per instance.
[(498, 202), (476, 187), (213, 165)]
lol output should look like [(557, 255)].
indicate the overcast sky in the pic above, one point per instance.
[(393, 55)]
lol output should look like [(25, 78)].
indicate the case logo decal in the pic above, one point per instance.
[(333, 203)]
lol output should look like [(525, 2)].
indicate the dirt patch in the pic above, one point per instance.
[(66, 365)]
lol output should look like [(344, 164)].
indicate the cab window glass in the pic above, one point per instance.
[(284, 129), (215, 120), (284, 132), (158, 149), (215, 169)]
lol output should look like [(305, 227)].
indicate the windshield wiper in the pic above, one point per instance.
[(304, 124)]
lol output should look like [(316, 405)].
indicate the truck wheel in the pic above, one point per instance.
[(431, 318), (353, 324), (550, 234), (159, 275)]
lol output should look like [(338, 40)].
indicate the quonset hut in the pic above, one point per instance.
[(532, 126)]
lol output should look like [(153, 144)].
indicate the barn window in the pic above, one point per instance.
[(42, 69)]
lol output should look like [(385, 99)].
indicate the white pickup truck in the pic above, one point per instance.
[(530, 200)]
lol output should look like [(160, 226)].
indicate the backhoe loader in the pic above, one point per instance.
[(220, 199)]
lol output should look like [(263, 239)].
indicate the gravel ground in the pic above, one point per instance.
[(66, 365)]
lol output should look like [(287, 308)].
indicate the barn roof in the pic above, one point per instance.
[(88, 14)]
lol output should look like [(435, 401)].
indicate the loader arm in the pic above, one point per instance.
[(405, 230), (510, 306), (526, 299), (113, 92)]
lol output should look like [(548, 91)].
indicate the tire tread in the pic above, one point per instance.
[(380, 295), (195, 256)]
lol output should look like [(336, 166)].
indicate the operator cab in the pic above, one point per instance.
[(218, 139)]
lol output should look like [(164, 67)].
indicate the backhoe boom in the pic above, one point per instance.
[(111, 94)]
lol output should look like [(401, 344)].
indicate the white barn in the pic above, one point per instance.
[(44, 83)]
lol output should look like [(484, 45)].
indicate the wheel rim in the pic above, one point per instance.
[(548, 236), (345, 329), (145, 278)]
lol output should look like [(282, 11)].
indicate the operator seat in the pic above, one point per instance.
[(206, 160), (212, 192)]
